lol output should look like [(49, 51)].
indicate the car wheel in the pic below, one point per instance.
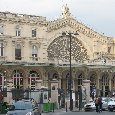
[(110, 110)]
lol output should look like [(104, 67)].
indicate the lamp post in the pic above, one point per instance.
[(70, 77)]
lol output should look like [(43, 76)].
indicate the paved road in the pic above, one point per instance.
[(80, 113)]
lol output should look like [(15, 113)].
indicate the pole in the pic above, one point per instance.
[(71, 100), (80, 98), (70, 77)]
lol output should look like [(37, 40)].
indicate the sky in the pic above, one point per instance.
[(99, 15)]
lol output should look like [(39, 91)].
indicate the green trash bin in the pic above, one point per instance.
[(3, 108), (50, 107), (46, 107)]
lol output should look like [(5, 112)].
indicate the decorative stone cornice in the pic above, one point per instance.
[(21, 42), (82, 28), (22, 18)]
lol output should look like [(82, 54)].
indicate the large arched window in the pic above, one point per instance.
[(17, 79), (105, 85), (3, 88), (33, 76), (92, 84), (1, 49), (113, 83), (34, 52), (2, 80), (18, 52), (80, 81), (60, 49)]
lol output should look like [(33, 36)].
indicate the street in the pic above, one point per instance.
[(80, 113), (77, 113)]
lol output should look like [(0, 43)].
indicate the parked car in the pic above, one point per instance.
[(91, 105), (105, 101), (23, 107), (111, 104)]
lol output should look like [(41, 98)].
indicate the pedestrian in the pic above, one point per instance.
[(96, 104), (100, 103)]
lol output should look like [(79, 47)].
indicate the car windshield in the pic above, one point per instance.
[(112, 99), (22, 105), (105, 99)]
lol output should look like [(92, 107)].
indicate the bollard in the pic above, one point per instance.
[(66, 106), (53, 107)]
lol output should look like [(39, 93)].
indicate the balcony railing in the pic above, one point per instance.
[(34, 61)]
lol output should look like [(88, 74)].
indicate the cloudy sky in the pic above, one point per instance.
[(96, 14)]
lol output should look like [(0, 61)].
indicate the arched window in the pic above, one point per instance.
[(2, 80), (80, 80), (105, 85), (33, 76), (3, 88), (92, 84), (18, 52), (34, 52), (1, 49), (113, 83), (17, 79)]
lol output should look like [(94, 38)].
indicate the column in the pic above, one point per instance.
[(9, 92), (25, 81), (54, 91), (38, 84), (110, 82), (86, 84)]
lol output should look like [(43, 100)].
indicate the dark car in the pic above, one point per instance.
[(23, 107)]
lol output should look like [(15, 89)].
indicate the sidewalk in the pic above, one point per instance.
[(64, 110)]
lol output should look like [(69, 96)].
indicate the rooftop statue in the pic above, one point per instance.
[(66, 12)]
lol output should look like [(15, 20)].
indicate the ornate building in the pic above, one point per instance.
[(32, 48)]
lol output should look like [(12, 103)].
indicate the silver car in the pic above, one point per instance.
[(111, 104), (23, 107), (105, 101), (91, 105)]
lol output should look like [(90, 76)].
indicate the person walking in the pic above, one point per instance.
[(96, 104), (100, 103)]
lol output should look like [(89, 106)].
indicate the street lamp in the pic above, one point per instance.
[(70, 77)]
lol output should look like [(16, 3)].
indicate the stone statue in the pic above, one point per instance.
[(66, 12)]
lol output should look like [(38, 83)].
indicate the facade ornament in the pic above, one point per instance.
[(35, 43), (66, 13)]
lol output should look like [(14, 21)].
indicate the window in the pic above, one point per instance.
[(1, 29), (18, 31), (33, 32), (18, 52), (109, 49), (1, 49), (17, 79), (33, 76), (3, 88), (34, 52)]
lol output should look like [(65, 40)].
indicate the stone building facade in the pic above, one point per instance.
[(33, 48)]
